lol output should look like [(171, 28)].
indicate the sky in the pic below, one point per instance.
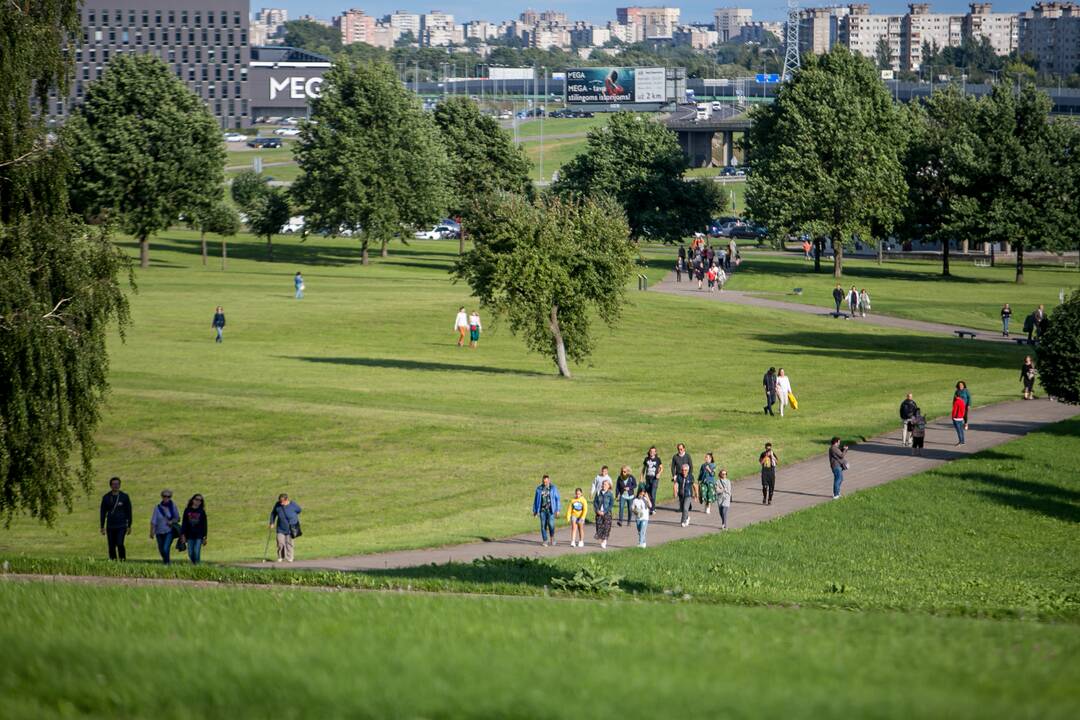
[(692, 11)]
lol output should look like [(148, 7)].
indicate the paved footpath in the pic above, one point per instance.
[(801, 485), (689, 289)]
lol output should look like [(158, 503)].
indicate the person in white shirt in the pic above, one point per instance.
[(864, 302), (461, 325), (598, 483), (641, 508), (783, 387), (474, 329)]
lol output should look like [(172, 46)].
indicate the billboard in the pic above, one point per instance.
[(610, 85), (284, 85)]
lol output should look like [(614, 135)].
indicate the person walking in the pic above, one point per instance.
[(853, 302), (959, 408), (116, 518), (679, 269), (769, 383), (783, 390), (1042, 323), (706, 482), (218, 323), (711, 276), (576, 510), (625, 489), (598, 483), (164, 522), (732, 254), (298, 283), (642, 508), (474, 329), (1027, 376), (1029, 328), (962, 391), (721, 278), (680, 458), (806, 250), (769, 462), (864, 302), (603, 506), (684, 491), (838, 297), (918, 432), (723, 497), (908, 410), (546, 507), (1006, 315), (193, 528), (651, 469), (838, 464), (285, 517), (461, 326)]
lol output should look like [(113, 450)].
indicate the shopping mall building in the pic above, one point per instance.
[(205, 42)]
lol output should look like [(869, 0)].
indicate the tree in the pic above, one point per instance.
[(145, 149), (883, 54), (483, 157), (826, 154), (246, 186), (313, 36), (1058, 352), (638, 162), (372, 162), (547, 266), (222, 220), (59, 293), (268, 212)]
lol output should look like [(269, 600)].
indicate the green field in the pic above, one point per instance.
[(560, 126), (914, 289), (357, 401), (237, 157)]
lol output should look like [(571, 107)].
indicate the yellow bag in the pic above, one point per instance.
[(792, 401)]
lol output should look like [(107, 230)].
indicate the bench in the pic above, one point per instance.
[(963, 333), (980, 262)]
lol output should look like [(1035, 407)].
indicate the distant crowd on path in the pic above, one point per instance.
[(1035, 324), (858, 301), (706, 264), (468, 323)]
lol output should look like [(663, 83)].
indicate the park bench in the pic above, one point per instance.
[(980, 262), (963, 333)]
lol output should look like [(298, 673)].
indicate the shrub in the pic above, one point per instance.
[(1058, 354)]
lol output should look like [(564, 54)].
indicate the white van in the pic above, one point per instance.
[(704, 111)]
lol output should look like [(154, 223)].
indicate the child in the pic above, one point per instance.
[(576, 511), (474, 329), (641, 509), (918, 433)]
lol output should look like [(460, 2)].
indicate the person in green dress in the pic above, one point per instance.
[(707, 482)]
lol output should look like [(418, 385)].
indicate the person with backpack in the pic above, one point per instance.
[(642, 507), (651, 469), (918, 432), (116, 518), (193, 528), (769, 462), (706, 482), (218, 323), (723, 499), (546, 506), (838, 464), (625, 489), (603, 505), (1027, 376), (576, 510), (908, 410), (285, 517), (1006, 315), (165, 525)]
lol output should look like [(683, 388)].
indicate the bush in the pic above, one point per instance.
[(1058, 354)]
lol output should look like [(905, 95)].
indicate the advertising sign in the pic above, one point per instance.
[(614, 85), (284, 86)]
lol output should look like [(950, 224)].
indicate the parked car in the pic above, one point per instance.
[(234, 137), (506, 115), (291, 121), (287, 132), (264, 142), (733, 171), (295, 225), (748, 231), (442, 231)]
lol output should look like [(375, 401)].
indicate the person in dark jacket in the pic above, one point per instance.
[(769, 383), (684, 491), (680, 458), (116, 519), (625, 490), (603, 505), (651, 468), (193, 528), (218, 323), (837, 463), (838, 297), (908, 410), (163, 522), (1006, 316), (285, 517), (1027, 376), (768, 461)]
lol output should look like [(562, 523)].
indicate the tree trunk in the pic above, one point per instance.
[(144, 252), (461, 241), (269, 248), (1019, 261), (838, 259), (383, 251), (224, 254), (945, 258), (202, 239), (880, 250), (363, 252), (560, 346), (818, 242)]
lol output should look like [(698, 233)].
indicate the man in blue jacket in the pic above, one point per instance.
[(546, 505), (286, 517)]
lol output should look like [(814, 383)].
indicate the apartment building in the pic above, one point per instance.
[(655, 22), (1050, 32), (1001, 29), (862, 31), (819, 28), (584, 34), (355, 27), (729, 22)]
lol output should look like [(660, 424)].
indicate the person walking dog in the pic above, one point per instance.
[(285, 517), (116, 519)]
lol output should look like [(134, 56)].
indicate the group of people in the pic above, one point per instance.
[(778, 391), (858, 301), (188, 529), (467, 323), (1035, 324), (708, 265)]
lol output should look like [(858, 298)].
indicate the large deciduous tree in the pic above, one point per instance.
[(372, 161), (59, 292), (638, 162), (548, 266), (483, 157), (268, 212), (826, 154), (1058, 353), (146, 150)]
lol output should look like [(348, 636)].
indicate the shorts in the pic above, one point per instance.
[(577, 521), (474, 333), (917, 442)]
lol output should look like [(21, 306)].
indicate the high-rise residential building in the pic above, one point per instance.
[(696, 37), (355, 26), (627, 33), (819, 28), (729, 22), (1002, 30), (546, 37), (587, 35), (404, 22), (529, 17), (656, 22), (1050, 32), (864, 32), (554, 17), (761, 31), (924, 29)]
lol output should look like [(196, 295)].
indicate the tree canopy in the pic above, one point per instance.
[(638, 162), (372, 162), (268, 212), (826, 154), (146, 149), (1058, 352), (547, 266)]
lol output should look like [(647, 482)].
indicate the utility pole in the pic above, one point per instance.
[(791, 50)]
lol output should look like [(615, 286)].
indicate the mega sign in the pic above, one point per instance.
[(615, 85), (297, 88), (271, 87)]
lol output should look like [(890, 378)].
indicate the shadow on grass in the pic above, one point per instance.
[(1042, 498), (778, 267), (297, 253), (935, 350), (399, 364)]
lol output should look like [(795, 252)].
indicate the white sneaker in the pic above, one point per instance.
[(708, 510), (603, 544), (683, 524), (835, 497)]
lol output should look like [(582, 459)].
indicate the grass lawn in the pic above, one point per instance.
[(287, 173), (914, 288), (246, 155), (357, 401), (106, 652), (556, 154), (560, 126)]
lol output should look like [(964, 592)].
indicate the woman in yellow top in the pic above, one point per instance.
[(576, 510)]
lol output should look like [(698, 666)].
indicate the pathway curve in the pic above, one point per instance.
[(801, 485), (689, 289)]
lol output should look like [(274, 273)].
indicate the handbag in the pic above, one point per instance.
[(792, 401), (294, 528), (845, 464)]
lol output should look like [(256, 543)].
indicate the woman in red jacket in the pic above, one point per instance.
[(959, 408)]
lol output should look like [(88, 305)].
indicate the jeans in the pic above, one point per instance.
[(959, 425), (218, 328), (650, 486), (547, 525), (625, 502), (723, 515), (115, 536), (684, 505), (642, 527), (837, 306), (194, 550), (837, 480), (164, 545), (770, 399), (1005, 325), (299, 292)]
